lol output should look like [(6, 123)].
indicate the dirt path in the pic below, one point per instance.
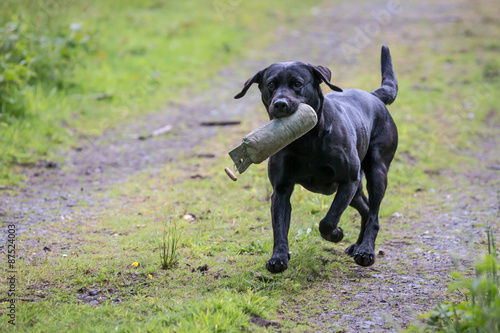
[(414, 270), (117, 154)]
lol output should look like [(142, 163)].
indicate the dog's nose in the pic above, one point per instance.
[(280, 105)]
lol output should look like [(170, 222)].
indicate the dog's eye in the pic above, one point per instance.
[(270, 85), (297, 84)]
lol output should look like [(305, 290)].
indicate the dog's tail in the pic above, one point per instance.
[(389, 89)]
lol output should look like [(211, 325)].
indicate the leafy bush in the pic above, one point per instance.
[(480, 312), (29, 58)]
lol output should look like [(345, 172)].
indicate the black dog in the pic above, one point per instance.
[(355, 134)]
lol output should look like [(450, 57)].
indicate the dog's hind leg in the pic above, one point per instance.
[(376, 167), (360, 203), (364, 253)]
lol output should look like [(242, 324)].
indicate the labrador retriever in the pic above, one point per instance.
[(355, 136)]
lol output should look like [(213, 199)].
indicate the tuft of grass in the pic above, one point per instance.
[(169, 244)]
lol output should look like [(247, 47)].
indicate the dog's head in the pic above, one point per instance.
[(285, 85)]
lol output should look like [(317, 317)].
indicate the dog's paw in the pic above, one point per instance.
[(336, 236), (277, 265), (351, 250), (364, 258)]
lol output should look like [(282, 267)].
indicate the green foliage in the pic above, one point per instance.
[(480, 312), (29, 58), (15, 63)]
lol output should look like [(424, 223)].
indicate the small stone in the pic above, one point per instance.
[(88, 299), (93, 292)]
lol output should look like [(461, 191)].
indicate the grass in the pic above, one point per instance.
[(168, 245), (443, 111), (140, 54), (221, 312)]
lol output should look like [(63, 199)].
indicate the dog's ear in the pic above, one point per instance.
[(325, 75), (254, 79)]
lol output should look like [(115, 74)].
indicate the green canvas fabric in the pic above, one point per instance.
[(267, 140)]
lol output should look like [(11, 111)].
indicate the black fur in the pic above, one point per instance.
[(355, 135)]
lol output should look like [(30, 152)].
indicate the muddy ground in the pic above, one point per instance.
[(416, 261)]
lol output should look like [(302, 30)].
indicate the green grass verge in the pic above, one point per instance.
[(117, 60)]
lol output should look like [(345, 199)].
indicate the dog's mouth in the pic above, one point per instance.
[(274, 115), (282, 107)]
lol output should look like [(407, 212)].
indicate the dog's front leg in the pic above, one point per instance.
[(328, 226), (281, 210)]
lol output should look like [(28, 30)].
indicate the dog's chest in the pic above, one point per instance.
[(319, 164), (321, 173), (318, 178)]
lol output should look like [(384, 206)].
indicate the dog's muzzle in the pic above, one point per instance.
[(282, 107)]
